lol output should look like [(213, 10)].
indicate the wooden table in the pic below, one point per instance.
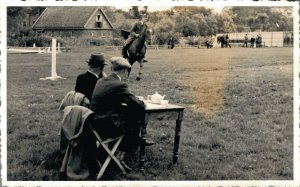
[(165, 112)]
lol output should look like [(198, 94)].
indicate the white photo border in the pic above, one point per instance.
[(3, 25)]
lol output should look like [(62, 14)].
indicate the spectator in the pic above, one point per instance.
[(245, 40), (85, 83), (252, 40), (171, 43), (111, 98)]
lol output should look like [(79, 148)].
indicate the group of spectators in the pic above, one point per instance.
[(257, 41), (109, 96)]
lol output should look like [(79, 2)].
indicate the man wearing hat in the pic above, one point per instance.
[(86, 82), (111, 97), (134, 33)]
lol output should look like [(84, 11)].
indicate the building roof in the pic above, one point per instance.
[(66, 17)]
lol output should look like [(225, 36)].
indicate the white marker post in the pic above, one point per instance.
[(58, 47), (54, 75)]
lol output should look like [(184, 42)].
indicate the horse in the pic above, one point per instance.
[(137, 48), (223, 41)]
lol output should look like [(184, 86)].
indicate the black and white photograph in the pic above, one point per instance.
[(150, 93)]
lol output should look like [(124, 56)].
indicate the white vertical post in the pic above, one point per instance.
[(58, 47), (53, 58), (33, 45), (53, 63)]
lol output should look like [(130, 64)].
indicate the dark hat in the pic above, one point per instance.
[(118, 63), (97, 60)]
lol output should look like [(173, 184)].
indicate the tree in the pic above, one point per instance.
[(225, 21), (190, 28), (262, 19)]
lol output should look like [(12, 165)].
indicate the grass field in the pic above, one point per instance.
[(238, 121)]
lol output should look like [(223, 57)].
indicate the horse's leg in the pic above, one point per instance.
[(128, 73), (140, 72)]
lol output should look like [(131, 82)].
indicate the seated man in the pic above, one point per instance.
[(85, 83), (108, 100)]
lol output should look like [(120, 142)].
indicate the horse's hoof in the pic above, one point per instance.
[(138, 78)]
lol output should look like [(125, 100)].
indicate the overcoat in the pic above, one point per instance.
[(85, 84), (111, 98)]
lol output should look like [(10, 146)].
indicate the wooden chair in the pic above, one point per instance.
[(73, 133)]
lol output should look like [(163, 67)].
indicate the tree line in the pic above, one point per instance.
[(190, 21)]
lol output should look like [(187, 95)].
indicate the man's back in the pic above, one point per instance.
[(85, 84), (109, 94)]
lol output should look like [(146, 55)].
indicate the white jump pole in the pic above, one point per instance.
[(53, 59), (54, 75)]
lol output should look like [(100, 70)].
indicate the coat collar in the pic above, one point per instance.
[(115, 76), (93, 73)]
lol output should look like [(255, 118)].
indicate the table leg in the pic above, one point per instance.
[(177, 136), (142, 145)]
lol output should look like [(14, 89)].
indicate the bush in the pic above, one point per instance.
[(13, 42), (40, 41), (101, 41), (162, 38)]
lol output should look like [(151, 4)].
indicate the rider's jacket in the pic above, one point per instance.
[(136, 28)]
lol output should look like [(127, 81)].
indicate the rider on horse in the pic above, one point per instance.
[(134, 33)]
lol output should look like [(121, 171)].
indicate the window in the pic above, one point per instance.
[(99, 21)]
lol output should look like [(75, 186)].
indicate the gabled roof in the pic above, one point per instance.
[(66, 17)]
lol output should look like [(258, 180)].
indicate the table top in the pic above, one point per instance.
[(151, 106)]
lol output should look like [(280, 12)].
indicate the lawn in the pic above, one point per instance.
[(238, 121)]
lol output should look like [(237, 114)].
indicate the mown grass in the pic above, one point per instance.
[(238, 121)]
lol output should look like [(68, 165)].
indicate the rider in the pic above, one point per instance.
[(134, 33)]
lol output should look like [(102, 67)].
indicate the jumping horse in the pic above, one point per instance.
[(137, 48)]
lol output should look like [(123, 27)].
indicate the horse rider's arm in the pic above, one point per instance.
[(132, 30)]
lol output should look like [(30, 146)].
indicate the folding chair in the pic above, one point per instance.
[(105, 145), (73, 130)]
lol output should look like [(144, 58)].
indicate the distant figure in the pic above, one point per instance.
[(85, 83), (245, 40), (171, 43), (252, 40), (258, 41), (227, 40), (208, 44)]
